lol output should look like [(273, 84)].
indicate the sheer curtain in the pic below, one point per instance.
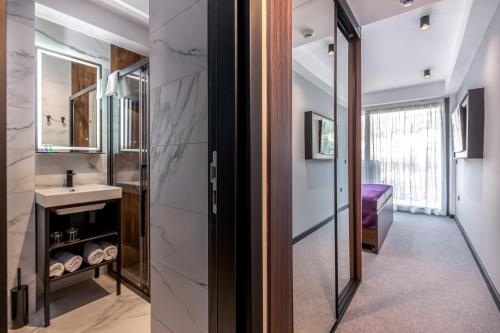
[(406, 144)]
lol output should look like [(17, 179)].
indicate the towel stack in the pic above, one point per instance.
[(110, 251), (55, 268), (71, 262), (93, 254)]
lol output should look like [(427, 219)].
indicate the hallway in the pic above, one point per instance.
[(424, 280)]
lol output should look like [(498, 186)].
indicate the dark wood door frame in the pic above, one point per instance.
[(347, 24), (279, 167), (235, 228), (3, 168)]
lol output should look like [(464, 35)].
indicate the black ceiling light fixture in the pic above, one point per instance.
[(331, 49), (406, 3), (425, 22), (427, 73)]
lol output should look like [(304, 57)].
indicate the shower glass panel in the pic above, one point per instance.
[(313, 165), (130, 171), (343, 208)]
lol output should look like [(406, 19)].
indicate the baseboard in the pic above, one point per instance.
[(491, 287)]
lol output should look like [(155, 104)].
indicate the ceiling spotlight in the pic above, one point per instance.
[(425, 22), (308, 33), (331, 49), (406, 3), (427, 73)]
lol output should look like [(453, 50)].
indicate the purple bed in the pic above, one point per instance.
[(377, 214)]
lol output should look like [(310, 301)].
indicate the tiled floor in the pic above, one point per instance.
[(94, 308)]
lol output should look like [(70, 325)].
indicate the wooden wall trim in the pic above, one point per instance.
[(3, 167), (355, 86), (279, 172), (122, 58)]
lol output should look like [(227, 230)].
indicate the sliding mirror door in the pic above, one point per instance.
[(343, 164), (313, 157)]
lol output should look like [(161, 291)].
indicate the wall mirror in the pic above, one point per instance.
[(68, 104)]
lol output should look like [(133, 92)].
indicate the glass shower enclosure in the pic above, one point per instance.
[(129, 169)]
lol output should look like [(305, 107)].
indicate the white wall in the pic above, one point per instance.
[(478, 181), (312, 187)]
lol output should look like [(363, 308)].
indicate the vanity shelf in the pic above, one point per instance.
[(83, 240), (100, 224), (84, 268)]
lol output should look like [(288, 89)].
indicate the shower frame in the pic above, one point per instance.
[(143, 152)]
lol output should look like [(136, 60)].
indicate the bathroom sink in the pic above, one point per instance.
[(62, 196)]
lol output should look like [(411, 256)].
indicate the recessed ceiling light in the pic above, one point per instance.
[(406, 3), (308, 33), (331, 49), (427, 73), (425, 22)]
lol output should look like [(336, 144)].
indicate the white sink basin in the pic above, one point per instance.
[(82, 194)]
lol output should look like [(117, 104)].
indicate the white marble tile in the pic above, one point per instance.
[(177, 302), (21, 233), (20, 86), (158, 327), (89, 169), (22, 11), (161, 11), (179, 240), (179, 48), (20, 171), (93, 306), (179, 176), (179, 111)]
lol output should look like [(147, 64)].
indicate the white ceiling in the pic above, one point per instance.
[(396, 52), (134, 10), (369, 11)]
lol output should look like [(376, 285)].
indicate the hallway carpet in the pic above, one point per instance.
[(424, 280)]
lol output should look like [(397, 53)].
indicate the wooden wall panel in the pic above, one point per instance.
[(82, 77), (122, 58), (279, 128)]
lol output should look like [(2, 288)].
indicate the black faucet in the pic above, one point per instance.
[(69, 178)]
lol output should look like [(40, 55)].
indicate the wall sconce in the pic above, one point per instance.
[(427, 73), (49, 118), (63, 119)]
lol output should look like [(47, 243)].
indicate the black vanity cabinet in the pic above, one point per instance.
[(95, 221)]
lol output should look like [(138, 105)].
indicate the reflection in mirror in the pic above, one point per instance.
[(68, 104), (129, 112), (343, 204), (313, 157)]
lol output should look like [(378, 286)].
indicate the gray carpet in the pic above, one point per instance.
[(423, 280)]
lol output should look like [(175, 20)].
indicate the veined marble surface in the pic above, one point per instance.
[(21, 144), (179, 166), (179, 111), (93, 306)]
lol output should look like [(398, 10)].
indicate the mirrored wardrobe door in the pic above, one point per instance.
[(343, 164), (313, 157)]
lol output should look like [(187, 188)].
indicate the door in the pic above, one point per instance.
[(130, 171)]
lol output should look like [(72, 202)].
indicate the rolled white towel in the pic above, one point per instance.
[(55, 268), (70, 261), (110, 250), (92, 253)]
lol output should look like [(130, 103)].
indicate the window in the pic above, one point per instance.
[(404, 146)]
